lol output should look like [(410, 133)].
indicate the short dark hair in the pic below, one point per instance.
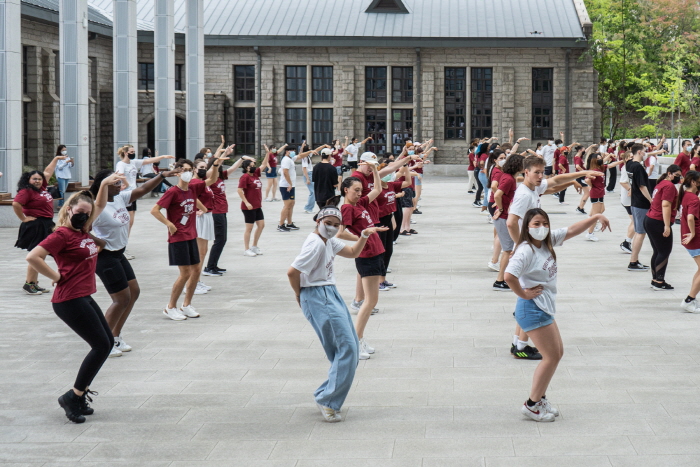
[(532, 161), (636, 148), (558, 141)]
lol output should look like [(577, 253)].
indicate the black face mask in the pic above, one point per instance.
[(79, 220), (132, 156), (676, 180), (202, 173)]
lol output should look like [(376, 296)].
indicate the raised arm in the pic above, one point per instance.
[(150, 185), (555, 183), (377, 189), (154, 160), (102, 194), (265, 162), (49, 170), (394, 166)]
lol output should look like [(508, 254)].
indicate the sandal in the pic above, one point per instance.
[(405, 233), (413, 232)]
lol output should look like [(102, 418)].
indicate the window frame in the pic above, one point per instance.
[(405, 84), (378, 144), (481, 108), (289, 134), (244, 136), (452, 93), (542, 100), (372, 85), (299, 84), (246, 92), (322, 86), (146, 84), (178, 76), (321, 128), (406, 131)]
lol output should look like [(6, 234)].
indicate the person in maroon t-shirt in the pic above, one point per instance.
[(683, 159), (271, 172), (370, 264), (658, 222), (250, 192), (337, 157), (690, 234), (33, 206), (180, 203), (562, 164), (695, 158), (75, 252)]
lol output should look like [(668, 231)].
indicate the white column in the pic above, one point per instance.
[(125, 82), (73, 48), (164, 71), (194, 66), (10, 95)]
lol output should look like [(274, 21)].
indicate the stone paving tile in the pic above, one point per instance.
[(441, 391)]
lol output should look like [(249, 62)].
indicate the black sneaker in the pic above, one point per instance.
[(662, 286), (580, 211), (211, 272), (476, 204), (637, 266), (40, 289), (501, 286), (30, 289), (512, 349), (85, 408), (291, 226), (470, 192), (528, 353), (70, 402), (218, 269), (416, 211), (282, 228), (626, 247)]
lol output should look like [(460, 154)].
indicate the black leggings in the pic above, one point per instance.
[(398, 217), (613, 179), (220, 238), (562, 193), (387, 239), (480, 187), (661, 245), (84, 317)]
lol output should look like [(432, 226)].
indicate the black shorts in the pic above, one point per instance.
[(253, 215), (597, 200), (407, 198), (548, 170), (582, 181), (132, 206), (34, 232), (287, 195), (628, 209), (183, 253), (491, 207), (114, 270), (373, 266), (352, 164)]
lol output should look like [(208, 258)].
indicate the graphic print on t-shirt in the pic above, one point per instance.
[(90, 245)]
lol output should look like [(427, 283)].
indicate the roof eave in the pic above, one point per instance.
[(42, 15)]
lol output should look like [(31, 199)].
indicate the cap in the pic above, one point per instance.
[(368, 157), (326, 151)]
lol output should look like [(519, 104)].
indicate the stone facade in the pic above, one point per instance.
[(512, 83)]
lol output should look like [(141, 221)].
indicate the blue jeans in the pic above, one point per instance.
[(485, 182), (62, 185), (311, 202), (326, 311)]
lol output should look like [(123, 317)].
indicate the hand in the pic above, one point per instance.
[(667, 231), (298, 301), (171, 173), (308, 182), (229, 150), (200, 213), (522, 139), (592, 174), (168, 157), (289, 188), (267, 170), (249, 206), (687, 238), (171, 228), (561, 133), (61, 158), (29, 219), (370, 138), (56, 280), (604, 222), (497, 214), (112, 179), (533, 292), (369, 231)]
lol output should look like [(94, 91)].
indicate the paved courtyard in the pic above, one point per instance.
[(234, 388)]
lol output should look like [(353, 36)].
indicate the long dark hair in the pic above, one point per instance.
[(671, 168), (347, 183), (690, 176), (99, 176), (23, 182), (491, 162), (525, 236), (60, 148), (145, 153)]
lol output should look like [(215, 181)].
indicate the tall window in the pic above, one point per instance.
[(402, 128), (25, 132), (57, 72), (322, 86), (178, 77), (244, 83), (245, 131), (296, 83), (375, 84), (322, 125), (146, 77), (295, 126), (482, 102), (25, 73), (542, 102), (375, 126), (402, 84), (455, 103)]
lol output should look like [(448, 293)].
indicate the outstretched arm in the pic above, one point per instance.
[(581, 226), (377, 190), (49, 170)]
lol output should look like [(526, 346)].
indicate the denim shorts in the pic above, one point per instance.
[(529, 316), (272, 173), (419, 181), (693, 253)]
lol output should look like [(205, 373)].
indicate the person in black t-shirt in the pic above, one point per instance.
[(325, 179), (641, 201)]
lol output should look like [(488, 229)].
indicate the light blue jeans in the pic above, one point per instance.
[(326, 311), (311, 202), (485, 182), (62, 185)]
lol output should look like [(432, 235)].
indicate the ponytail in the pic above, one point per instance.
[(671, 168)]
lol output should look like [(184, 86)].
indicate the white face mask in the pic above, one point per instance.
[(64, 152), (186, 176), (207, 155), (327, 231), (540, 233), (502, 162), (550, 142)]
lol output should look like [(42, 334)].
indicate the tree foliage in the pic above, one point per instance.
[(647, 54)]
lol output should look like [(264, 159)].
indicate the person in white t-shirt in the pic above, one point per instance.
[(313, 280), (548, 155), (288, 183), (353, 149), (532, 276), (527, 196)]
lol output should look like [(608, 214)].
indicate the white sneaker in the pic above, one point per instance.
[(309, 212), (174, 314), (537, 412), (485, 212), (495, 266), (329, 415), (204, 286), (189, 311), (591, 238), (692, 307), (268, 199), (597, 227), (249, 252), (355, 307), (121, 345), (366, 347), (388, 270), (375, 311), (548, 407), (413, 222), (256, 250), (129, 256), (363, 354), (115, 352), (199, 290)]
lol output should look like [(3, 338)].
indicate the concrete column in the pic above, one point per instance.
[(10, 95), (194, 69), (125, 82), (164, 70), (73, 56)]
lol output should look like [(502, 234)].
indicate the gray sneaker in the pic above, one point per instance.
[(30, 289)]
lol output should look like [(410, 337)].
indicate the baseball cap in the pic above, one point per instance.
[(369, 157), (326, 151)]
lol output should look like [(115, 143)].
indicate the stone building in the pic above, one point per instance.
[(282, 71)]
